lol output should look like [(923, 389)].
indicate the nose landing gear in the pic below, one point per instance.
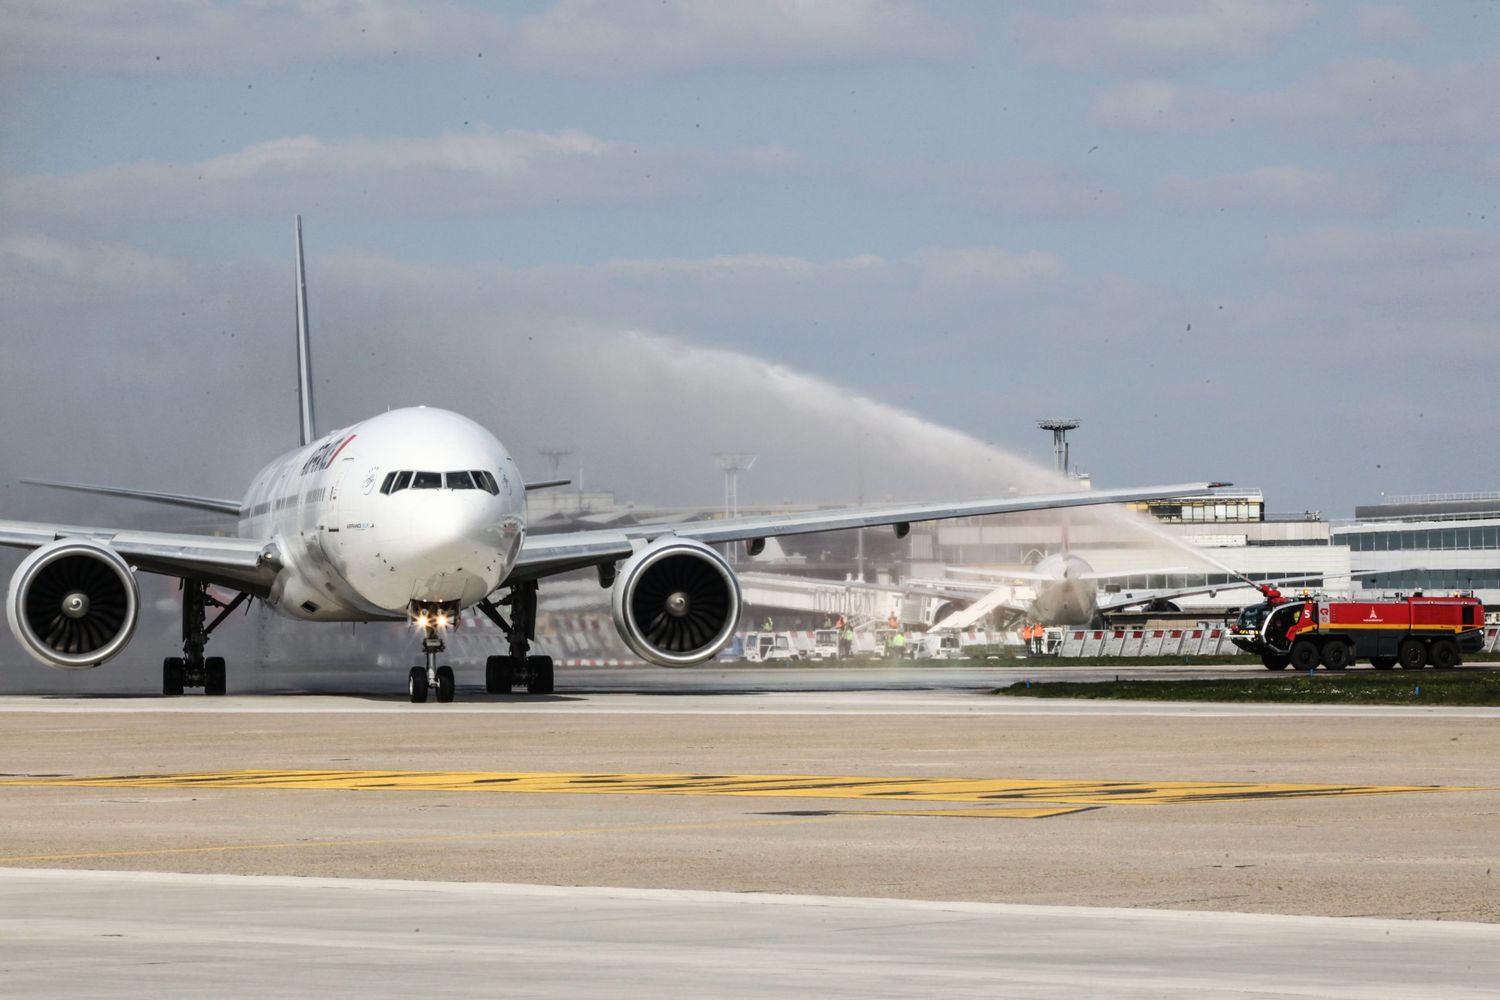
[(432, 677)]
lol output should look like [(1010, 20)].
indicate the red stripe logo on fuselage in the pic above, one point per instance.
[(321, 459)]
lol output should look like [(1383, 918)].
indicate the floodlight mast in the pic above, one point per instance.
[(732, 464), (555, 454), (1059, 429)]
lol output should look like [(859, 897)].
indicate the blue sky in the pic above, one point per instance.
[(1243, 240)]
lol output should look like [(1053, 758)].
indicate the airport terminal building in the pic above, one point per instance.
[(1438, 543)]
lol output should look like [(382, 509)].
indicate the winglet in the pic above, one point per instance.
[(304, 351)]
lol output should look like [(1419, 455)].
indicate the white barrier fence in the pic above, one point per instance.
[(1147, 642)]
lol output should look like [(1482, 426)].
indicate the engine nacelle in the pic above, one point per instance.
[(676, 602), (73, 604)]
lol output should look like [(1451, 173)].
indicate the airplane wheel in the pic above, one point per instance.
[(1444, 654), (1335, 655), (416, 685), (445, 684), (171, 676), (1304, 654), (539, 674), (499, 675), (214, 682), (1412, 654)]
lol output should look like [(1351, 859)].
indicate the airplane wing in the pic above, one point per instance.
[(545, 555), (149, 496), (1025, 575), (1146, 597), (1021, 575), (1121, 602), (246, 564)]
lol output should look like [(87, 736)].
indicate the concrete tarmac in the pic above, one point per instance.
[(1352, 842), (109, 934)]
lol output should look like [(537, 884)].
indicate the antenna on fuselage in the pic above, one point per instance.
[(304, 350)]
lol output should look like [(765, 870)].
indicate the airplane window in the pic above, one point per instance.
[(460, 481), (390, 480), (403, 480), (486, 481), (426, 480)]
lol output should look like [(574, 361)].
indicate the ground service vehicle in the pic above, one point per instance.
[(1414, 631)]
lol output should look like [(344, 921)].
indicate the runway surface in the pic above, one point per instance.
[(108, 934), (915, 797)]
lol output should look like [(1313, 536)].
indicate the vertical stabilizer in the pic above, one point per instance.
[(304, 350)]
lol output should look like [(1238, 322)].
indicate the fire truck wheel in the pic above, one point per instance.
[(1444, 654), (1412, 654), (1304, 654), (1336, 655), (1273, 662), (1382, 662)]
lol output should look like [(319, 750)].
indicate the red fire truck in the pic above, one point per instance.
[(1414, 631)]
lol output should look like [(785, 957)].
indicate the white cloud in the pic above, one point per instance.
[(580, 38), (45, 270), (482, 170), (739, 266), (1009, 189), (1430, 285), (1282, 188), (1360, 101), (655, 37), (176, 36), (989, 266), (1110, 35)]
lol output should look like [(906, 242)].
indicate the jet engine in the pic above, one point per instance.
[(73, 604), (676, 602)]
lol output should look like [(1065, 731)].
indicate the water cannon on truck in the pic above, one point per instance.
[(1414, 631)]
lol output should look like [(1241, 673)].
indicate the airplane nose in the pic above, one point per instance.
[(449, 547)]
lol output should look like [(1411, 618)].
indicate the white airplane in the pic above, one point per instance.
[(413, 515)]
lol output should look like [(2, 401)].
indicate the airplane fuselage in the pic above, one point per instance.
[(1068, 596), (411, 508)]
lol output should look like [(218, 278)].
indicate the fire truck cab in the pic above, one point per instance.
[(1414, 631)]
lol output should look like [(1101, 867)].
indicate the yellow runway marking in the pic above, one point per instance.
[(382, 841), (986, 790), (1001, 812)]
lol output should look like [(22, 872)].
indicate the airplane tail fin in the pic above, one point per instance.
[(304, 350)]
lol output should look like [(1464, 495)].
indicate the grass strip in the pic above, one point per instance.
[(1356, 687)]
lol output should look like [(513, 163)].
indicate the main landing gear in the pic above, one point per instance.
[(192, 668), (503, 673)]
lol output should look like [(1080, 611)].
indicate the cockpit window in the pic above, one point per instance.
[(464, 479)]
